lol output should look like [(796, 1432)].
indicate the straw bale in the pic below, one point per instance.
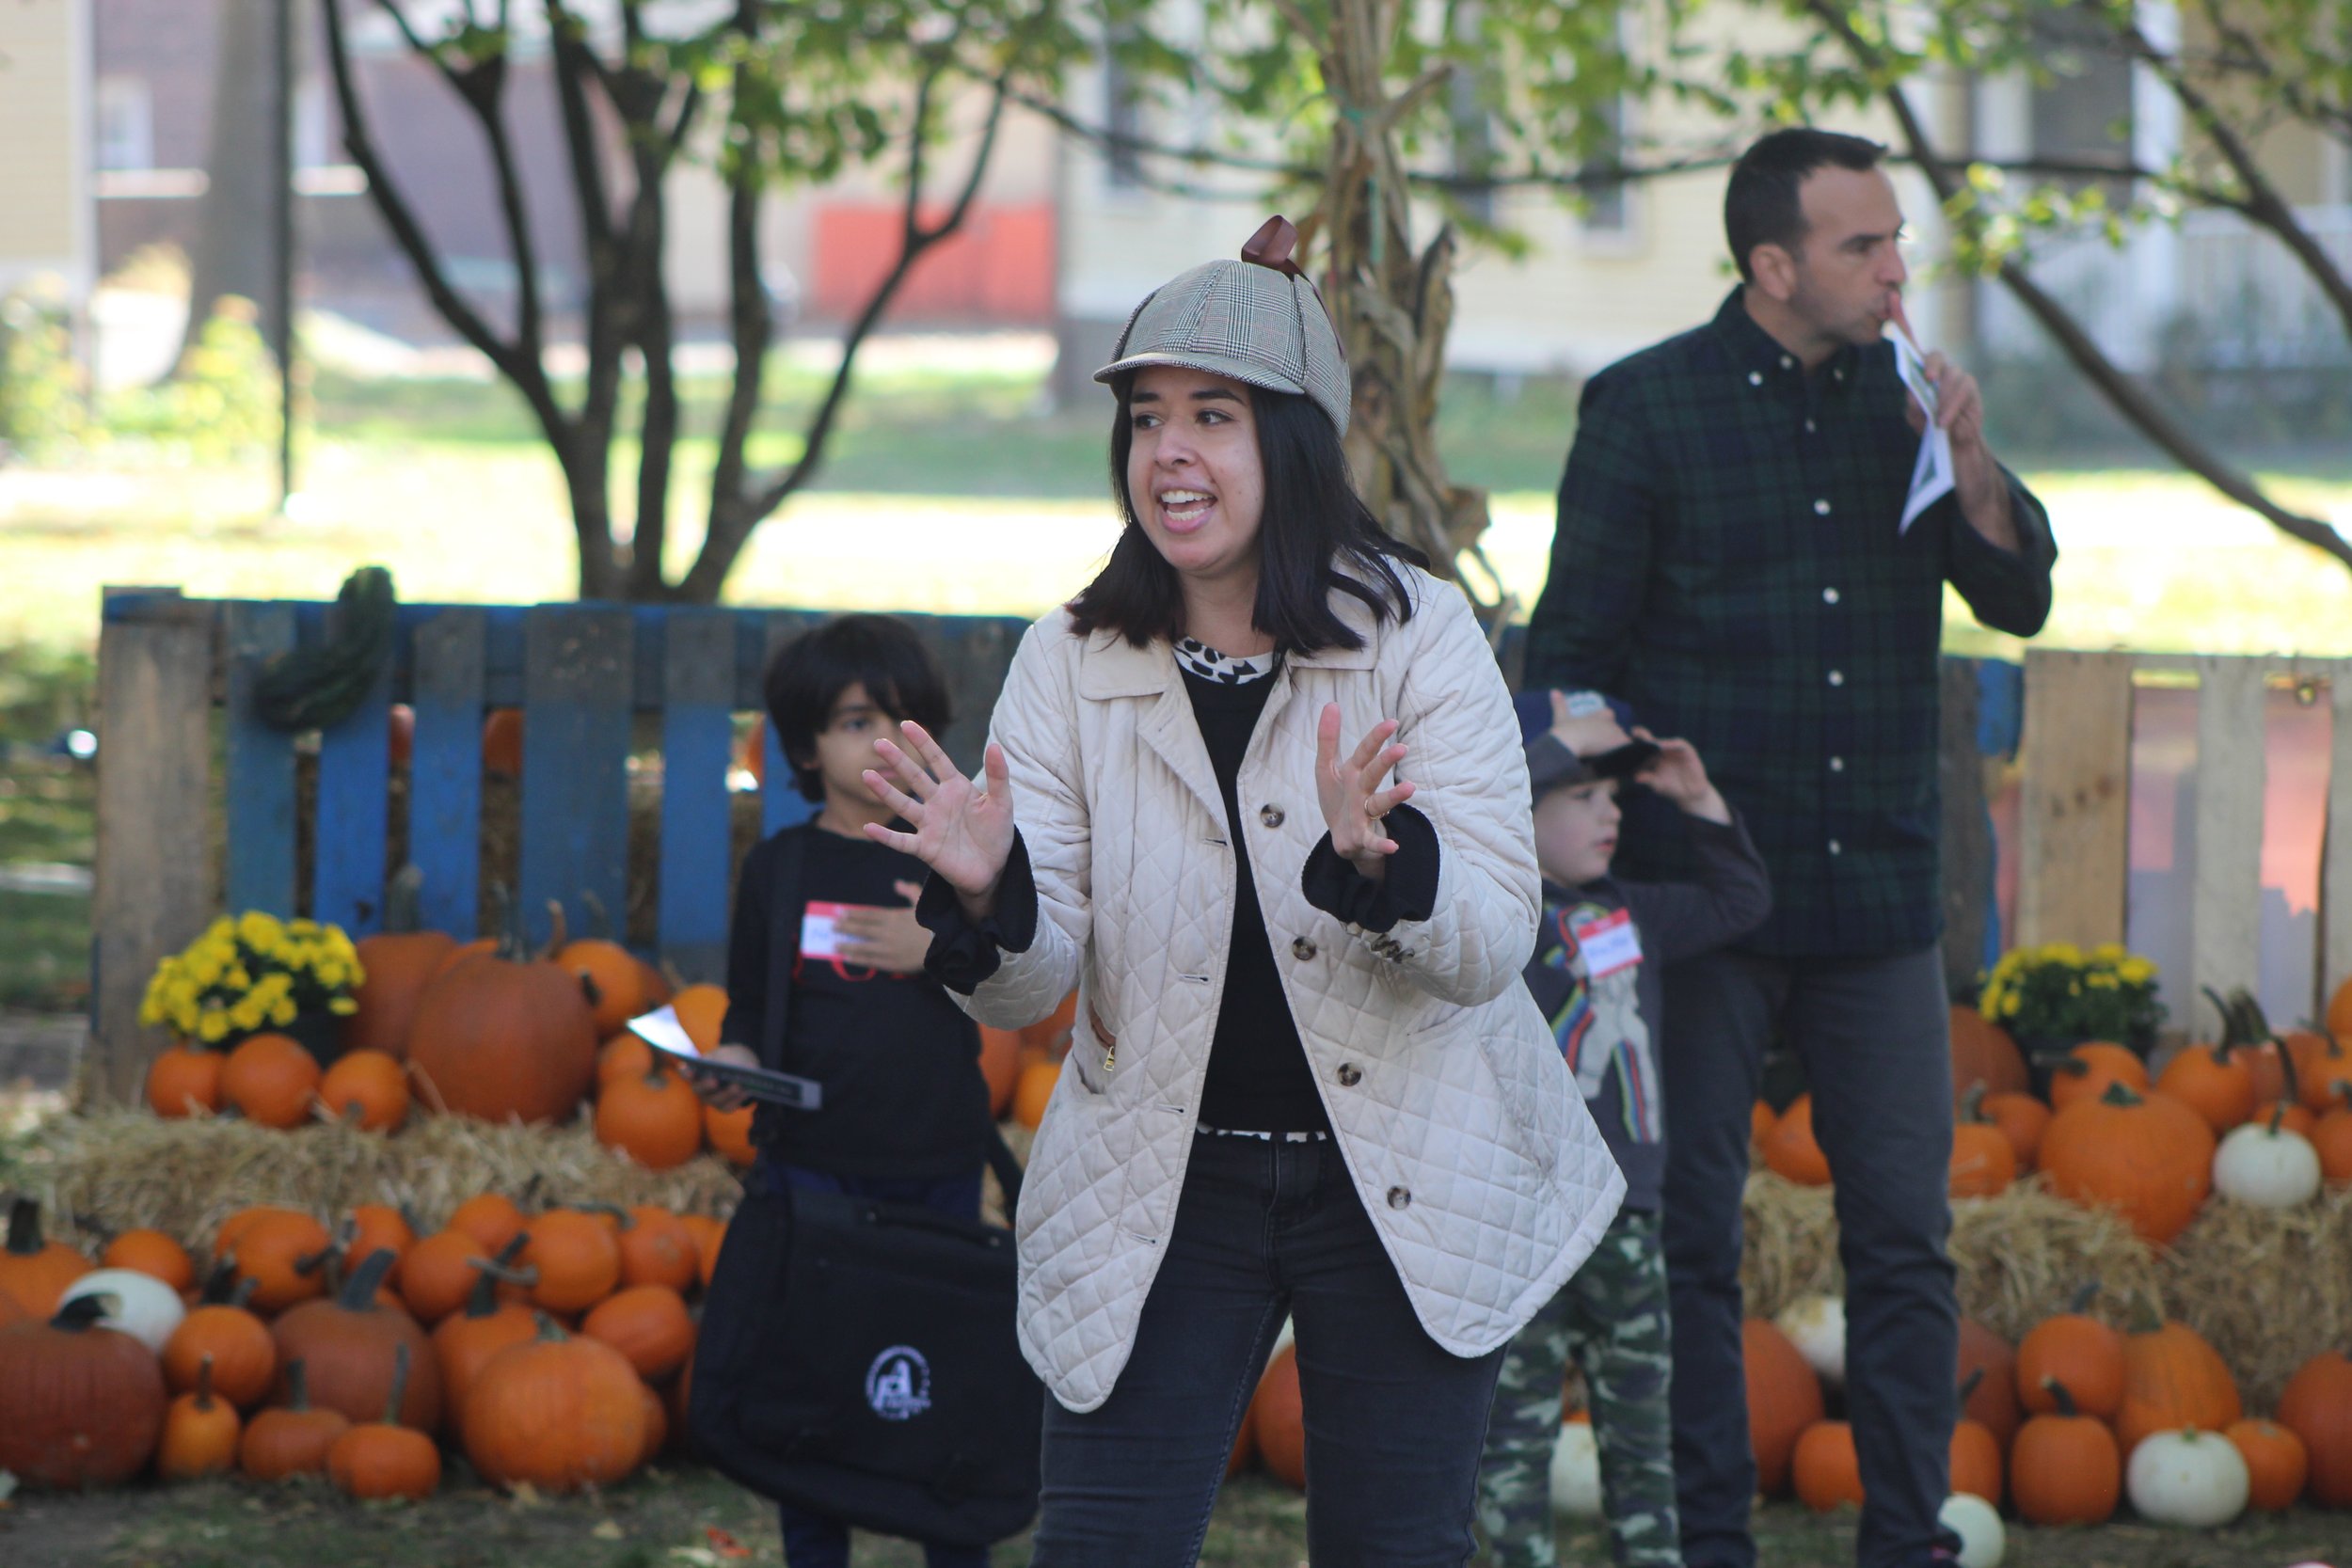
[(2270, 1288)]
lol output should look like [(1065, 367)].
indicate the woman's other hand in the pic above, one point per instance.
[(1349, 790), (962, 830), (719, 1095)]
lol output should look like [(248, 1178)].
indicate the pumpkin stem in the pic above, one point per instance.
[(401, 896), (359, 1293), (550, 1332), (2230, 1038), (526, 1277), (559, 934), (80, 1313), (2293, 1090), (24, 1238), (1972, 1104), (1969, 1384), (297, 1384), (400, 1380), (2084, 1297), (204, 1382), (2119, 1093), (2065, 1400)]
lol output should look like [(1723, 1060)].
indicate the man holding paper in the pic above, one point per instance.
[(1755, 531)]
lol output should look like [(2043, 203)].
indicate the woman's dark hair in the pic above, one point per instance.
[(1761, 204), (808, 674), (1313, 524)]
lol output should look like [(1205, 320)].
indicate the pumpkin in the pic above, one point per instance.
[(1032, 1092), (348, 1342), (2078, 1352), (1576, 1473), (1050, 1034), (270, 1080), (33, 1269), (613, 976), (657, 1423), (657, 1248), (502, 742), (200, 1431), (2290, 1117), (379, 1227), (386, 1459), (153, 1254), (366, 1088), (2316, 1407), (2331, 1140), (1278, 1420), (2064, 1468), (1791, 1151), (2326, 1072), (2146, 1156), (1983, 1540), (2189, 1477), (558, 1412), (655, 1119), (2089, 1069), (464, 1342), (220, 1330), (1975, 1460), (2173, 1379), (708, 1232), (1000, 1065), (439, 1273), (184, 1081), (1983, 1055), (132, 1303), (2277, 1463), (1784, 1399), (2212, 1080), (1815, 1324), (1828, 1473), (84, 1404), (625, 1055), (1987, 1378), (2265, 1167), (283, 1251), (573, 1260), (2023, 1120), (492, 1219), (503, 1036), (729, 1132), (646, 1324), (399, 962), (2340, 1011), (1761, 1118), (1984, 1162), (291, 1439), (701, 1009)]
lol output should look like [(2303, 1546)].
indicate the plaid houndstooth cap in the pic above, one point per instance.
[(1258, 320)]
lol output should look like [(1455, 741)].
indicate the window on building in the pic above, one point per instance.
[(2084, 111), (126, 124), (1122, 116), (1608, 208)]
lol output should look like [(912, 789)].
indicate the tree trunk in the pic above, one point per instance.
[(235, 218)]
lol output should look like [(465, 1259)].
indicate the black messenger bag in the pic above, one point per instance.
[(858, 1359)]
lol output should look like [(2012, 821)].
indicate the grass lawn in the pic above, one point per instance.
[(664, 1519)]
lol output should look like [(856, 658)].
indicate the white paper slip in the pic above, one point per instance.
[(820, 930), (661, 1030), (1931, 474)]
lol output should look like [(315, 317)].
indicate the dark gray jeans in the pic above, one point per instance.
[(1874, 1036)]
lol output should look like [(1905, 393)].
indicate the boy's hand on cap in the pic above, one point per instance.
[(1677, 774), (1585, 734)]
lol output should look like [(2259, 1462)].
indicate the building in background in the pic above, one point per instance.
[(46, 231)]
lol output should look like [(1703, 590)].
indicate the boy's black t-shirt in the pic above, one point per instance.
[(899, 1062)]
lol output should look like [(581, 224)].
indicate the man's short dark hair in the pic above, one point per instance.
[(1761, 205), (809, 673)]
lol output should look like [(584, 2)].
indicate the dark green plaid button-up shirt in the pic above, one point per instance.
[(1728, 560)]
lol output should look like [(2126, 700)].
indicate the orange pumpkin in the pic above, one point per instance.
[(655, 1119), (2064, 1468), (648, 1324), (84, 1403), (2077, 1350), (387, 1459), (291, 1439), (1791, 1151), (399, 966), (492, 1219), (35, 1270), (1760, 1120), (1987, 1378), (368, 1088), (572, 1259), (2147, 1157), (2023, 1120), (1983, 1160), (200, 1432), (1975, 1462), (2173, 1379), (2316, 1406), (558, 1412), (283, 1251), (502, 742), (2088, 1070), (153, 1254), (184, 1081), (613, 976), (271, 1080), (1784, 1400), (2277, 1463), (1983, 1053), (2288, 1115), (2212, 1080), (701, 1009), (658, 1249), (625, 1055), (220, 1330), (1000, 1064), (348, 1342), (504, 1038), (464, 1342), (1828, 1472), (708, 1232), (1035, 1089), (729, 1132), (1278, 1420), (380, 1228), (439, 1273), (1050, 1032), (2324, 1075), (2331, 1136)]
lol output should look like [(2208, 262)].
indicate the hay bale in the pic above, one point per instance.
[(2271, 1288), (1791, 1244)]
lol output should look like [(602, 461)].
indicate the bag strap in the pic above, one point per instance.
[(783, 952)]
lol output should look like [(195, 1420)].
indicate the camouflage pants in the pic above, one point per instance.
[(1612, 1317)]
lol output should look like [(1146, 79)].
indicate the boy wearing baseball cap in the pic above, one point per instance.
[(1596, 976)]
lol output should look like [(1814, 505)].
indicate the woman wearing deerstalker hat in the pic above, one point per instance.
[(1258, 792)]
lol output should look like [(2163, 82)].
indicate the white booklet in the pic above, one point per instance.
[(1931, 474), (661, 1030)]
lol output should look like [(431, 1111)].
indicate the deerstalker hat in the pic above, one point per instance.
[(1258, 320)]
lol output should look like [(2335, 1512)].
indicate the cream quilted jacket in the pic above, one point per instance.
[(1471, 1151)]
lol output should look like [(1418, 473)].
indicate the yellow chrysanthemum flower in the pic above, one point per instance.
[(212, 1026), (342, 1007), (283, 1013)]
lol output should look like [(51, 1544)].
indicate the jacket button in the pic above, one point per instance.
[(1399, 1197), (1302, 949), (1350, 1075), (1270, 815)]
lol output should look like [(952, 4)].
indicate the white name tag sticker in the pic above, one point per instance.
[(820, 934), (1609, 943)]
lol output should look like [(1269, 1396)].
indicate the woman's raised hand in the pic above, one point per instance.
[(962, 830), (1349, 789)]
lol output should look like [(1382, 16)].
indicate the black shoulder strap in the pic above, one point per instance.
[(783, 952)]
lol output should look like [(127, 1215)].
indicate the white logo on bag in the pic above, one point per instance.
[(898, 1384)]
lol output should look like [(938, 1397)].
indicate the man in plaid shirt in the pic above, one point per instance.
[(1730, 562)]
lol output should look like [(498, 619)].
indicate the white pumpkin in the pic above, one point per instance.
[(138, 1303), (1817, 1326), (2267, 1168), (1982, 1539), (1576, 1472), (2195, 1479)]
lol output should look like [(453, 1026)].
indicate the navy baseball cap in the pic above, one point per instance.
[(1550, 764)]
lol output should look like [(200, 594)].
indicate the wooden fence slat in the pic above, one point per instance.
[(2225, 909), (2077, 807), (353, 810), (154, 893), (697, 734), (445, 769), (2335, 866), (261, 765), (577, 664), (780, 804)]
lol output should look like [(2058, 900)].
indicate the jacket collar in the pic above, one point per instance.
[(1758, 356), (1110, 666)]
